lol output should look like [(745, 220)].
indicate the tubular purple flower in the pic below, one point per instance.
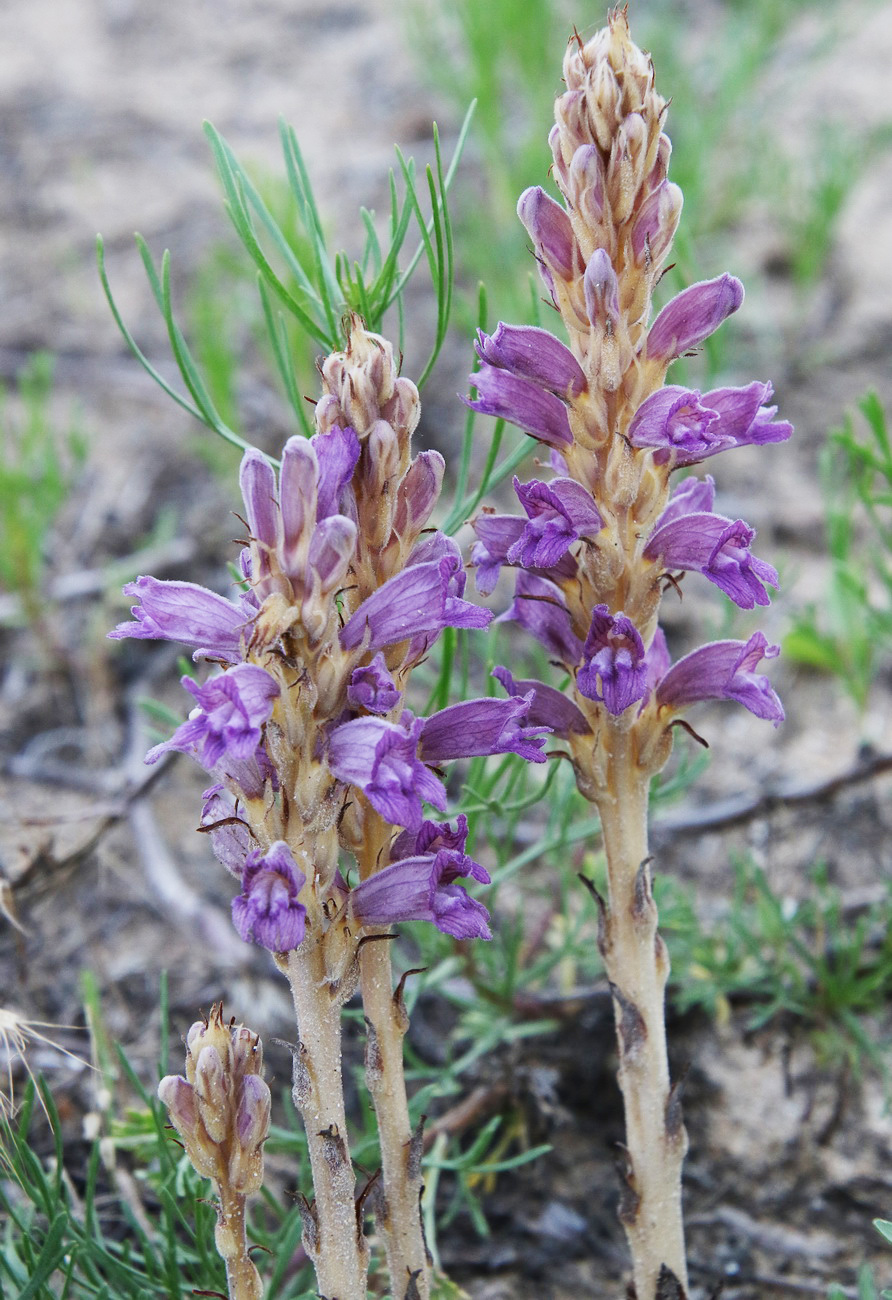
[(548, 707), (614, 671), (233, 709), (482, 727), (744, 419), (674, 421), (724, 670), (560, 513), (549, 227), (267, 910), (601, 289), (521, 402), (719, 549), (423, 598), (692, 316), (183, 611), (381, 758), (539, 607), (257, 480), (429, 838), (372, 688), (499, 534), (681, 423), (496, 535), (422, 889), (298, 501), (533, 354), (230, 836), (337, 452)]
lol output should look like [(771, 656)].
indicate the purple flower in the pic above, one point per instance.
[(680, 423), (548, 707), (423, 598), (614, 669), (539, 607), (422, 888), (257, 480), (724, 670), (560, 513), (267, 909), (233, 709), (482, 727), (382, 759), (372, 688), (521, 402), (719, 549), (183, 611), (533, 354), (692, 316), (501, 535), (429, 838), (231, 837)]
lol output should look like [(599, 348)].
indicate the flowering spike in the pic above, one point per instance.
[(601, 535)]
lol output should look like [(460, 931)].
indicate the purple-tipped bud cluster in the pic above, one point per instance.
[(221, 1108)]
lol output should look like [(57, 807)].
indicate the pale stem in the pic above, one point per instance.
[(399, 1213), (242, 1279), (638, 968), (334, 1242)]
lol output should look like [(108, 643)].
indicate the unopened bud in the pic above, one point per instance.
[(549, 228), (179, 1098), (252, 1116), (417, 494), (247, 1051), (211, 1090)]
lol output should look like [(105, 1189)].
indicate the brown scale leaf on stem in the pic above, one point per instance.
[(629, 1198), (669, 1287), (632, 1026)]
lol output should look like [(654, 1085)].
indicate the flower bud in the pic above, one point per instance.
[(211, 1089)]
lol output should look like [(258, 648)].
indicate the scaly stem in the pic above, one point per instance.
[(242, 1279), (638, 967), (332, 1234), (399, 1215)]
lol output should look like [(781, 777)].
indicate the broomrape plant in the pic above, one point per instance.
[(598, 543), (312, 751), (319, 771)]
